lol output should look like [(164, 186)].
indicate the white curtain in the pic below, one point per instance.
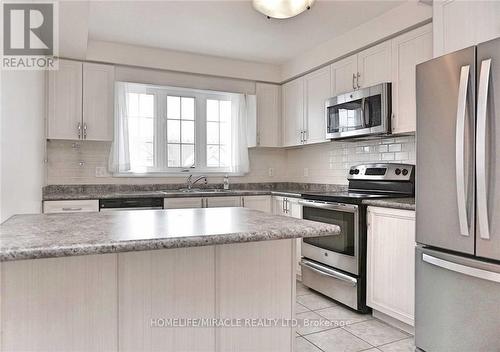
[(244, 106), (119, 158)]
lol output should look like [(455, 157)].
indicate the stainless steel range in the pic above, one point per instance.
[(336, 265)]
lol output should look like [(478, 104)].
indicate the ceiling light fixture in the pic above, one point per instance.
[(282, 8)]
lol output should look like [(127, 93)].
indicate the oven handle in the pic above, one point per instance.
[(351, 208), (320, 269)]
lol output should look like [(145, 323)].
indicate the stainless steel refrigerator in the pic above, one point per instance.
[(457, 294)]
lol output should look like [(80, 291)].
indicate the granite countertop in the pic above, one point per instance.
[(167, 194), (60, 235), (108, 191), (397, 203)]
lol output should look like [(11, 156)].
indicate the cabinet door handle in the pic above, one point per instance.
[(71, 209), (84, 131), (79, 129), (357, 80), (305, 136), (353, 81)]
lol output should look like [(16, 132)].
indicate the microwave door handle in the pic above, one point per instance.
[(366, 113), (363, 123), (481, 145)]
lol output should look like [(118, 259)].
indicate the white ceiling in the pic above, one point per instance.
[(230, 29)]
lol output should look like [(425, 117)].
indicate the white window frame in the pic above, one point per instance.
[(200, 125)]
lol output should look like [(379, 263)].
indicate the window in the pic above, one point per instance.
[(140, 110), (166, 130), (218, 132), (180, 131)]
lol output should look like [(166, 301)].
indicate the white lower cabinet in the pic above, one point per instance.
[(70, 206), (201, 202), (287, 207), (215, 202), (262, 203), (292, 208), (391, 262), (183, 203)]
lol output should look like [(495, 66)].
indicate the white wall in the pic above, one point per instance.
[(21, 142), (182, 62), (399, 19)]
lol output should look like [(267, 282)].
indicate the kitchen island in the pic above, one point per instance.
[(166, 280)]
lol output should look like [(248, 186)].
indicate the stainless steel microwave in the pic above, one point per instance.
[(361, 113)]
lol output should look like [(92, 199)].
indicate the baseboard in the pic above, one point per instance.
[(393, 322)]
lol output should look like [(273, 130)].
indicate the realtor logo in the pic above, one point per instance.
[(29, 36)]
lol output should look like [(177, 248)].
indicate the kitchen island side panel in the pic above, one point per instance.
[(122, 302)]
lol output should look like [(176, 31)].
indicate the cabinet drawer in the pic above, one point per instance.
[(70, 206)]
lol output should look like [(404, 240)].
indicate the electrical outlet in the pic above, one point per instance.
[(271, 172), (306, 172), (101, 171)]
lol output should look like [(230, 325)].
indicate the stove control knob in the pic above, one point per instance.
[(356, 171), (351, 172), (405, 172), (398, 172)]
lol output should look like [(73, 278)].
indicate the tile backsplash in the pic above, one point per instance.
[(86, 162), (330, 162)]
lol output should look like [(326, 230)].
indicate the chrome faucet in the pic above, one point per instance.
[(190, 181)]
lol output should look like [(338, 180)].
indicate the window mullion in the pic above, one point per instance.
[(201, 132), (161, 143)]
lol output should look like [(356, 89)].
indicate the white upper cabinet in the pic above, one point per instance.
[(374, 65), (344, 75), (98, 101), (304, 108), (65, 101), (459, 24), (367, 68), (317, 90), (293, 112), (268, 114), (408, 50), (81, 101)]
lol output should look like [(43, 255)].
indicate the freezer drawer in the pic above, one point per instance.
[(457, 303)]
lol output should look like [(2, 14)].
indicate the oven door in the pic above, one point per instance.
[(339, 251), (359, 113)]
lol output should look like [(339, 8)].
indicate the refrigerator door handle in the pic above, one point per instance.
[(460, 151), (481, 145), (462, 269)]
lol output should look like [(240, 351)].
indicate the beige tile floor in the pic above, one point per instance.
[(337, 328)]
